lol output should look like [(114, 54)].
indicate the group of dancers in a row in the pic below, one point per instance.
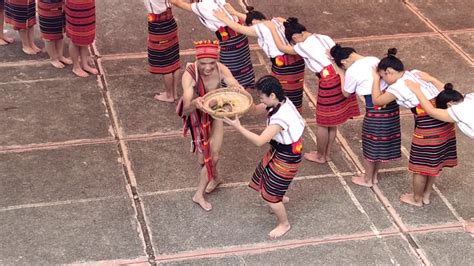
[(342, 74), (76, 18), (384, 84)]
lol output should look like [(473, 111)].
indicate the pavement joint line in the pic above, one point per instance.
[(53, 145), (433, 26), (238, 184), (56, 203), (37, 80), (140, 214), (128, 262), (437, 227), (259, 248)]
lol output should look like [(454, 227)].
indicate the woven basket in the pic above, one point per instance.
[(239, 99)]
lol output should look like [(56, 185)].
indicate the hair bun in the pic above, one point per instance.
[(448, 87), (250, 8), (292, 20), (392, 52)]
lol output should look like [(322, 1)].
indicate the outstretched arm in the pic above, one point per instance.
[(182, 4), (428, 78), (234, 12), (379, 98), (440, 114), (222, 16), (287, 49), (258, 140)]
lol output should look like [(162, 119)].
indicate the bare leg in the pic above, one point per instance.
[(331, 139), (375, 175), (428, 189), (85, 58), (31, 39), (168, 96), (322, 138), (416, 198), (365, 180), (215, 142), (27, 49), (4, 40), (199, 195), (60, 51), (283, 225), (76, 65), (53, 54), (176, 80)]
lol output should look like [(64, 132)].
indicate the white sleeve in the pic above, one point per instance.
[(300, 50), (350, 83), (329, 41)]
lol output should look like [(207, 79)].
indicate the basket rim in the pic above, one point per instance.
[(223, 91)]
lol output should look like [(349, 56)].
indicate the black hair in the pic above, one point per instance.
[(292, 26), (340, 53), (253, 14), (449, 94), (269, 84), (391, 61)]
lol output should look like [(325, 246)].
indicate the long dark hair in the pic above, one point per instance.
[(391, 61), (340, 53), (449, 94), (253, 14), (269, 84), (292, 26)]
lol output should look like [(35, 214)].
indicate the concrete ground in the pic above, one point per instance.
[(94, 171)]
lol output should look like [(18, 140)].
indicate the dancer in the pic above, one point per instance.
[(4, 40), (433, 144), (276, 170), (21, 14), (163, 47), (332, 107)]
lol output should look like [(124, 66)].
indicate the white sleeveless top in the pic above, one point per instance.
[(462, 113), (265, 38), (205, 11), (313, 50), (405, 97), (358, 78), (157, 6), (290, 120)]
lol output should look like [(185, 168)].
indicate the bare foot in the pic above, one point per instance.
[(279, 231), (470, 226), (29, 51), (314, 157), (203, 203), (79, 72), (65, 60), (90, 69), (213, 184), (6, 40), (410, 199), (360, 180), (57, 64), (36, 48), (163, 98), (426, 199)]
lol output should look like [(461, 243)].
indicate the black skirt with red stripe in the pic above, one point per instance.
[(51, 19), (291, 77), (80, 21), (21, 14), (163, 46)]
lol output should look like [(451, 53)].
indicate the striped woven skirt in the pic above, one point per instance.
[(381, 138), (51, 19), (332, 107), (21, 14), (291, 77), (163, 47), (274, 173), (433, 146), (80, 21), (2, 4), (235, 55)]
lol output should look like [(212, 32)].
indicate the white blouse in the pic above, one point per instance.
[(157, 6), (205, 11), (358, 78), (462, 113), (290, 120), (314, 51), (265, 38), (405, 97)]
